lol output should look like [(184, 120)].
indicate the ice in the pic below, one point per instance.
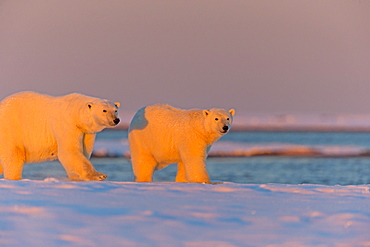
[(111, 148), (61, 213), (248, 121), (119, 148)]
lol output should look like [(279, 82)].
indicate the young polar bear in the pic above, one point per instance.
[(161, 134), (36, 128)]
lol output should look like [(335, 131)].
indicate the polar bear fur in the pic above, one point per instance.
[(161, 134), (37, 127)]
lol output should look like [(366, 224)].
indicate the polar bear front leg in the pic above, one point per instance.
[(195, 166), (194, 158), (78, 167), (196, 171), (88, 144)]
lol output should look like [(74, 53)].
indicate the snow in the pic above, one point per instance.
[(62, 213), (66, 213)]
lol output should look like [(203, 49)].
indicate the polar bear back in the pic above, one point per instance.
[(28, 120), (162, 117), (31, 113), (161, 129), (167, 123), (23, 118)]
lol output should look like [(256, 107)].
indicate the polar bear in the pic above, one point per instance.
[(161, 134), (37, 127)]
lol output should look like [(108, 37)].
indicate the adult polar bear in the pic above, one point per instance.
[(37, 127), (161, 134)]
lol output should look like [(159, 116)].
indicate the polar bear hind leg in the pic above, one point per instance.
[(143, 167), (12, 165), (181, 173)]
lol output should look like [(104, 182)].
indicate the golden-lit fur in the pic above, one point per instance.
[(161, 134), (36, 127)]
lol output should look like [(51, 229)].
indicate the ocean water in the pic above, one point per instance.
[(286, 169)]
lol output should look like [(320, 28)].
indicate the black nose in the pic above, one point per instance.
[(225, 128), (116, 121)]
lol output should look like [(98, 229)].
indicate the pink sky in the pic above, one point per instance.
[(257, 56)]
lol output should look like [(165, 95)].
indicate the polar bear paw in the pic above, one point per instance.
[(93, 176), (98, 176)]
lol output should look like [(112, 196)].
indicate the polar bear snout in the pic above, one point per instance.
[(116, 121), (225, 128)]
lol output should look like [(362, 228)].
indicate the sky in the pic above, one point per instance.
[(309, 56)]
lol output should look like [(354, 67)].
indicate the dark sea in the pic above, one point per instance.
[(268, 168)]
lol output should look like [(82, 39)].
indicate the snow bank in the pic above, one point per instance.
[(224, 148), (55, 213)]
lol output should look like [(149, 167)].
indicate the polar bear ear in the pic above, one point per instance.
[(117, 104), (89, 104), (232, 112), (205, 113)]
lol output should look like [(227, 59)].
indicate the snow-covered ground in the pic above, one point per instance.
[(65, 213), (61, 213)]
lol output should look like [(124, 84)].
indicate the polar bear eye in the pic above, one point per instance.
[(104, 110), (216, 119), (227, 118)]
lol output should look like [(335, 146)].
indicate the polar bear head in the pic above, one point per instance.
[(102, 114), (218, 120)]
